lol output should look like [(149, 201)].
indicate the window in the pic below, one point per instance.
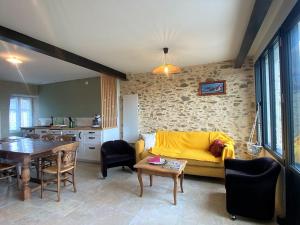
[(277, 99), (284, 101), (267, 105), (20, 113), (268, 79), (294, 58), (258, 97)]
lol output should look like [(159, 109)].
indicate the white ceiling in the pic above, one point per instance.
[(129, 35), (37, 68)]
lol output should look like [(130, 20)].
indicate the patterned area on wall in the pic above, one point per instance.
[(173, 103)]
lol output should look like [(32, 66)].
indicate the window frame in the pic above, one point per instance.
[(288, 92), (258, 100), (260, 71), (18, 119)]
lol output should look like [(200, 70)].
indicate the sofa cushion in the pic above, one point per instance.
[(190, 162), (149, 140), (214, 135), (183, 140), (216, 148), (196, 154)]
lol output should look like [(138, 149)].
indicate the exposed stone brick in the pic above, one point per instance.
[(163, 105)]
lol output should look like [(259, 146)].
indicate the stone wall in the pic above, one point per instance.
[(173, 103)]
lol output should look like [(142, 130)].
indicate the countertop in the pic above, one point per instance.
[(66, 128)]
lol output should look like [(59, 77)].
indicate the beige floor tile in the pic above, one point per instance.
[(115, 201)]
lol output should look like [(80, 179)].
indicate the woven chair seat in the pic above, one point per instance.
[(54, 169)]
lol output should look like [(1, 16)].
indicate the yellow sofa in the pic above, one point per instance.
[(192, 146)]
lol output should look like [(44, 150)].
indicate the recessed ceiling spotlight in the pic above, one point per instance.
[(14, 60)]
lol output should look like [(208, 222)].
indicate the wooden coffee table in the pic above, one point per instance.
[(143, 167)]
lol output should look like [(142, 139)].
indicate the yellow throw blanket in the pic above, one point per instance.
[(297, 149), (191, 145)]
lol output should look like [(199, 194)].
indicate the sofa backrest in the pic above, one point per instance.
[(188, 139)]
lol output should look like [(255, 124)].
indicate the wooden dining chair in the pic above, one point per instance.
[(48, 137), (64, 138), (7, 171), (64, 168), (51, 160), (33, 136)]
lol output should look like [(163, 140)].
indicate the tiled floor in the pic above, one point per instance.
[(115, 201)]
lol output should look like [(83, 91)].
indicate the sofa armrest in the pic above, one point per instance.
[(228, 151), (139, 148)]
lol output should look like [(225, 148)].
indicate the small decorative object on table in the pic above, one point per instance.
[(172, 164), (212, 88), (156, 160)]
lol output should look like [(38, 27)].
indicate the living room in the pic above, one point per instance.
[(156, 81)]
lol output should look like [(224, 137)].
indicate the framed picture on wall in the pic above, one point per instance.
[(212, 88)]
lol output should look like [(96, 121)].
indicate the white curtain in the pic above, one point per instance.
[(20, 112)]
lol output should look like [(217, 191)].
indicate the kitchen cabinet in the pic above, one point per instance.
[(41, 132), (27, 131), (89, 140)]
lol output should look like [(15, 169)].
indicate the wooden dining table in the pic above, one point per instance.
[(23, 150)]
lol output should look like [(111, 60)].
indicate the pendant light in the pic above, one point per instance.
[(166, 68), (14, 60)]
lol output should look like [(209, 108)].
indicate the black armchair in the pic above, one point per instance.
[(250, 187), (116, 153)]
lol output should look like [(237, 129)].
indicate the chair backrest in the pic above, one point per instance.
[(66, 155), (264, 164), (117, 146), (33, 136), (64, 138), (48, 137)]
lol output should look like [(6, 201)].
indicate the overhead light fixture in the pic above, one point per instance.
[(166, 68), (14, 60)]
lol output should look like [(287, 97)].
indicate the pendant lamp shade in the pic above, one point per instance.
[(166, 69)]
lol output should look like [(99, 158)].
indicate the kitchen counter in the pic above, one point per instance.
[(90, 139), (64, 128)]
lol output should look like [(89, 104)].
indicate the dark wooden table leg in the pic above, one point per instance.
[(151, 180), (37, 167), (175, 178), (25, 173), (181, 181), (141, 181)]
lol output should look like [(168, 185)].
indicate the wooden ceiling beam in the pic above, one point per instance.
[(28, 42), (258, 14)]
